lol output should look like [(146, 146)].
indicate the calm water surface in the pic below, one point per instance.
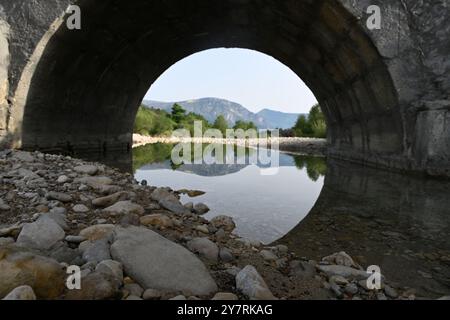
[(264, 207), (318, 207)]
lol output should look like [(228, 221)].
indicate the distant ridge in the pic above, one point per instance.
[(211, 108)]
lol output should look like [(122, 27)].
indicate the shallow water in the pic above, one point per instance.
[(318, 207), (264, 207)]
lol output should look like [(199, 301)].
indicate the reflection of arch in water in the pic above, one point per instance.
[(381, 218)]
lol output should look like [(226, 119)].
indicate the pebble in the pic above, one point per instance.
[(80, 208), (268, 255), (152, 294), (225, 296)]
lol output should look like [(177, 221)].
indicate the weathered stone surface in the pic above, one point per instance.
[(123, 208), (250, 283), (205, 248), (97, 232), (42, 234), (111, 199), (341, 259), (157, 263), (86, 169), (97, 251), (19, 267), (52, 195), (224, 222), (157, 220), (111, 267), (201, 209), (346, 272), (80, 208), (174, 205)]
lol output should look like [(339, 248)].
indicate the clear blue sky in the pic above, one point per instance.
[(253, 79)]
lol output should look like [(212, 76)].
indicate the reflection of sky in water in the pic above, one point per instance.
[(265, 207)]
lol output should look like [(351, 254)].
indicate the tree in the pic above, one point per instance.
[(313, 125), (178, 113), (244, 125), (302, 127), (221, 124)]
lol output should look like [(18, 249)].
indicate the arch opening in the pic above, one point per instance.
[(87, 87)]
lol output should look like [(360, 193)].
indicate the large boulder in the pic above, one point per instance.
[(41, 234), (157, 263), (19, 267)]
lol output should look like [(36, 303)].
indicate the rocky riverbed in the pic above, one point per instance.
[(134, 242)]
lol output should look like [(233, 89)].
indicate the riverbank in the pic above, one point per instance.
[(135, 242), (307, 146)]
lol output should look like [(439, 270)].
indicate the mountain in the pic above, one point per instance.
[(211, 108), (277, 119)]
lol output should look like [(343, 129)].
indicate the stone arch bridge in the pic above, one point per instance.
[(385, 92)]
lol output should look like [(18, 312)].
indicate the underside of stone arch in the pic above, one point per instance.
[(87, 84)]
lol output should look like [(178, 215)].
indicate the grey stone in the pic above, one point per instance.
[(152, 294), (86, 169), (97, 251), (390, 292), (80, 208), (250, 283), (201, 209), (224, 222), (63, 197), (174, 205), (134, 289), (112, 267), (42, 234), (107, 201), (60, 219), (205, 248), (268, 255), (226, 255), (346, 272), (123, 208), (157, 263)]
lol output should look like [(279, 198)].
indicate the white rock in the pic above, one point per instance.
[(21, 293), (250, 283), (80, 208), (340, 259), (86, 169), (343, 271), (268, 255), (62, 179)]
